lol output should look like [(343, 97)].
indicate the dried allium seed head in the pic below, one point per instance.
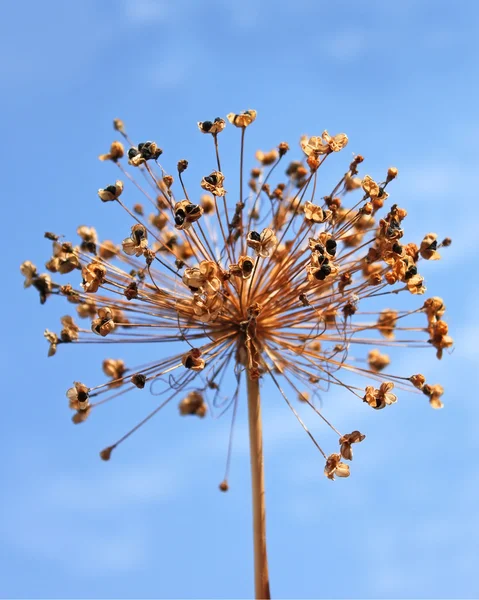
[(243, 119), (137, 243), (192, 360), (111, 192), (418, 381), (213, 127), (434, 393), (78, 396), (377, 361), (139, 380), (271, 283), (267, 158), (334, 466), (263, 243), (117, 151), (106, 453), (104, 324), (346, 441), (69, 332), (118, 125), (114, 368), (52, 339), (207, 204), (214, 183), (108, 250), (392, 174), (193, 404), (428, 248)]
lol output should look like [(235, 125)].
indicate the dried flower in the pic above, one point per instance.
[(315, 213), (69, 332), (243, 119), (193, 404), (114, 368), (334, 466), (213, 127), (104, 324), (186, 214), (111, 192), (137, 243), (317, 146), (297, 312), (262, 243), (377, 361), (434, 393), (116, 152), (428, 248), (379, 398), (293, 311), (345, 441), (52, 339), (78, 396), (214, 183)]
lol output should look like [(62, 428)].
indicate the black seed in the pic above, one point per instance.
[(211, 179), (132, 152), (319, 275), (82, 396), (180, 217), (433, 246), (247, 266), (331, 247), (218, 119), (139, 380), (192, 209), (255, 236), (397, 248), (410, 272), (139, 235), (319, 248), (206, 125), (326, 269), (189, 362)]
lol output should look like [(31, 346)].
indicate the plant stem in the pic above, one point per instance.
[(261, 576)]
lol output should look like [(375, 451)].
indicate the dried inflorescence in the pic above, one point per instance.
[(281, 284)]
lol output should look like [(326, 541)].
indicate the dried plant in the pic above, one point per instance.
[(274, 286)]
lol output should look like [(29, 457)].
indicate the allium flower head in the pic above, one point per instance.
[(285, 282)]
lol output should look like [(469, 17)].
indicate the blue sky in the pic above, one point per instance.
[(399, 79)]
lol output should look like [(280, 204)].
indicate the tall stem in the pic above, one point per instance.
[(261, 576)]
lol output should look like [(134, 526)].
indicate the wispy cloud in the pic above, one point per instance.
[(81, 516)]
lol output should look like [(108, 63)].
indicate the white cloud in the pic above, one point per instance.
[(123, 487), (81, 525)]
